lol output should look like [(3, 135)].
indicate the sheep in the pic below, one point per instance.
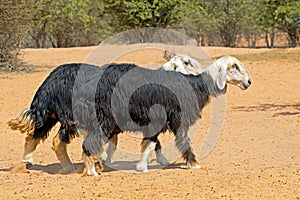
[(180, 63), (118, 109), (184, 64), (52, 103)]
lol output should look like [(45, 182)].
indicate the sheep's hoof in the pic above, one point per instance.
[(193, 165), (93, 174), (29, 160), (141, 167), (20, 168), (197, 166), (87, 172)]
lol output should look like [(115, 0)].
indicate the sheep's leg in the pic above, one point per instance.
[(150, 157), (184, 145), (112, 147), (90, 159), (30, 146), (89, 163), (60, 149), (92, 164), (160, 158), (157, 147), (147, 147)]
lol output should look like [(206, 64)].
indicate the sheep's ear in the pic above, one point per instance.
[(221, 78)]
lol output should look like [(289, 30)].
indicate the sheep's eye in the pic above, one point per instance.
[(187, 62), (235, 66)]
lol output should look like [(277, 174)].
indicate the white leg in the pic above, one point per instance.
[(92, 171), (147, 147), (150, 157), (160, 158), (30, 146)]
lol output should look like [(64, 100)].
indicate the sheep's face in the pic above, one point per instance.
[(236, 73), (184, 64)]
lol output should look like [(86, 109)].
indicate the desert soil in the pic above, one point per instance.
[(257, 155)]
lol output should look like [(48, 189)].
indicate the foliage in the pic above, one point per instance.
[(287, 15), (14, 27), (282, 15), (225, 22), (153, 13), (200, 22), (66, 23), (63, 23), (221, 21)]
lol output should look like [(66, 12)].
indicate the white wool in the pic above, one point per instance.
[(142, 164), (184, 64), (222, 72)]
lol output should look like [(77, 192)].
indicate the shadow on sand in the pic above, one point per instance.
[(280, 109), (55, 168)]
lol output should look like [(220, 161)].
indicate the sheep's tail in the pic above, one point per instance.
[(23, 123)]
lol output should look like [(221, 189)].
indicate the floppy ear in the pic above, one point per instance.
[(221, 78)]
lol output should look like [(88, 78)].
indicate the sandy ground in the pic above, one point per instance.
[(257, 155)]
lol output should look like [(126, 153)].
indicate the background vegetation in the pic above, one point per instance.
[(69, 23)]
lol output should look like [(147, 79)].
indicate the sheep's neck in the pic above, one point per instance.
[(205, 87)]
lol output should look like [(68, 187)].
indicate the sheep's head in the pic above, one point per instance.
[(184, 64), (231, 70)]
